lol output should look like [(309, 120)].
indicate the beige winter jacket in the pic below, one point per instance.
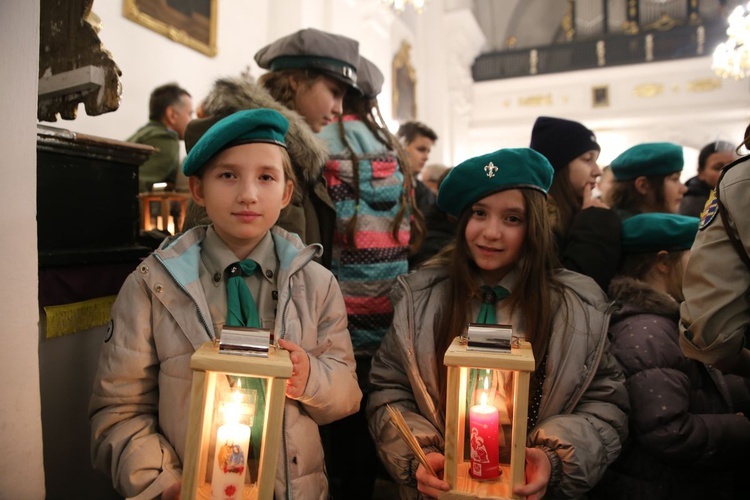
[(141, 395), (582, 417)]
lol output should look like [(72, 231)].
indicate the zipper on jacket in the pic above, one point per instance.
[(184, 289)]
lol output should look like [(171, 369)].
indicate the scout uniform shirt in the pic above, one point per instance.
[(216, 257), (716, 312)]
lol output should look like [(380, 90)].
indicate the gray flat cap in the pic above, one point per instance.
[(335, 55), (369, 78)]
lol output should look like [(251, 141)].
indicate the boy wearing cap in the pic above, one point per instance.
[(686, 436), (587, 233), (502, 270), (239, 271), (309, 73), (647, 179)]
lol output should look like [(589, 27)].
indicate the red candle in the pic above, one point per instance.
[(485, 450)]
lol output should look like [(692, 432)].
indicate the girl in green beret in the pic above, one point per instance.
[(502, 269), (647, 179), (309, 72), (687, 435)]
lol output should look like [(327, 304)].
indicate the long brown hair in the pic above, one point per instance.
[(362, 108), (535, 296), (565, 200), (624, 196), (278, 83)]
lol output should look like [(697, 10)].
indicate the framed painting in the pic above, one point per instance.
[(404, 85), (189, 22)]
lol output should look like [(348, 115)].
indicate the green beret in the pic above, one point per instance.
[(472, 180), (656, 231), (335, 55), (242, 127), (652, 158)]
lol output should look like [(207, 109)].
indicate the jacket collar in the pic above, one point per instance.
[(636, 297)]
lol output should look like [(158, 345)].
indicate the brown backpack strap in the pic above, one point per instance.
[(725, 218)]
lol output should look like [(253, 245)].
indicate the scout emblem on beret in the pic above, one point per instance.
[(709, 210), (490, 168)]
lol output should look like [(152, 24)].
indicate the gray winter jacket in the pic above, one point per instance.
[(141, 394), (582, 417)]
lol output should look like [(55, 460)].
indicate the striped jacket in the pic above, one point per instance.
[(367, 267)]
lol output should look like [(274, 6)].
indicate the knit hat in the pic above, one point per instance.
[(561, 141), (656, 231), (335, 55), (242, 127), (481, 176), (651, 158)]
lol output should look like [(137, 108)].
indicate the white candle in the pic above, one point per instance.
[(230, 461)]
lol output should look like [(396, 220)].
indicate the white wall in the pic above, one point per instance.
[(21, 471)]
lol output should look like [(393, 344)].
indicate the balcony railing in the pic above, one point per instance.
[(605, 51)]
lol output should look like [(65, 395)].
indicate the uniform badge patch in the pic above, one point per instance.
[(709, 211), (110, 331)]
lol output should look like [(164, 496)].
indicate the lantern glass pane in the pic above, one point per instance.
[(236, 435), (488, 423)]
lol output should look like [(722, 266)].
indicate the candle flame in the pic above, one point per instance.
[(483, 399), (233, 409)]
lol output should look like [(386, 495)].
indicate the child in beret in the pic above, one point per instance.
[(238, 271), (309, 72), (502, 269), (687, 437), (587, 233), (647, 179)]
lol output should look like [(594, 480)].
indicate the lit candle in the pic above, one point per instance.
[(485, 450), (230, 460)]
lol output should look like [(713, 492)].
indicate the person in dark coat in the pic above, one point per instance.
[(687, 432), (587, 233), (711, 160)]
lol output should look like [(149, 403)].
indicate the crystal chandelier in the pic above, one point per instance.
[(400, 5), (732, 58)]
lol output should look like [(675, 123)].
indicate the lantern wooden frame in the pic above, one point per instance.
[(459, 360), (207, 363)]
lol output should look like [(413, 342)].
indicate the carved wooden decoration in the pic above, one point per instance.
[(74, 67)]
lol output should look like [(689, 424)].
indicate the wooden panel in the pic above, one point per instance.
[(518, 359), (199, 422), (520, 413), (208, 358), (272, 437)]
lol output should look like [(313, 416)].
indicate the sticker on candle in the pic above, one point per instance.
[(232, 444), (485, 450)]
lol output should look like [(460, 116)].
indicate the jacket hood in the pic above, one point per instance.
[(636, 297), (306, 150)]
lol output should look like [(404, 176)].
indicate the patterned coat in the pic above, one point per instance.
[(371, 191)]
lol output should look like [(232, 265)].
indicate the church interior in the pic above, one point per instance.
[(478, 72)]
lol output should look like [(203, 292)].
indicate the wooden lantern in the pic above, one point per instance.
[(211, 372), (476, 435)]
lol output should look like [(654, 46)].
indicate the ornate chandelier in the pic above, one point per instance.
[(400, 5), (732, 58)]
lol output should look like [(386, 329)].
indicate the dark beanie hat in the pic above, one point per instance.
[(561, 141)]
